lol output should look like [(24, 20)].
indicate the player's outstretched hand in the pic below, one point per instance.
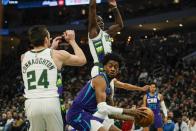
[(137, 113), (112, 3), (69, 36), (55, 42)]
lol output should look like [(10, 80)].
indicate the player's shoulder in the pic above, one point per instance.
[(99, 34), (99, 83), (99, 79), (22, 56)]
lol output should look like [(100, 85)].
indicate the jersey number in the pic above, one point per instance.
[(43, 79)]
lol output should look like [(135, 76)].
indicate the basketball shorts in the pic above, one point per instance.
[(82, 120), (158, 122)]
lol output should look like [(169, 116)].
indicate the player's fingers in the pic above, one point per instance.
[(142, 114), (142, 108), (57, 38)]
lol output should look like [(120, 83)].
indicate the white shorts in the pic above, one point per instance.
[(44, 114), (107, 123), (96, 125)]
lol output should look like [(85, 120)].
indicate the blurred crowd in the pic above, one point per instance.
[(161, 59), (75, 15)]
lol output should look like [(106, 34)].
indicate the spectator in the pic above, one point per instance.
[(169, 125), (17, 123), (192, 124), (8, 125), (127, 125), (3, 121), (180, 125)]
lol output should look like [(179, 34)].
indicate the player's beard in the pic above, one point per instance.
[(112, 75)]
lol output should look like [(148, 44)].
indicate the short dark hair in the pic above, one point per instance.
[(112, 56), (37, 34), (153, 83)]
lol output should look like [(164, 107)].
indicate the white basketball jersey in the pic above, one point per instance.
[(39, 74), (100, 45)]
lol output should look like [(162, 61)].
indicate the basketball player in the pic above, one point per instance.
[(40, 68), (89, 111), (98, 38), (154, 101)]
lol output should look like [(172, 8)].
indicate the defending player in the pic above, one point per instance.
[(90, 111), (99, 39), (154, 101), (40, 73)]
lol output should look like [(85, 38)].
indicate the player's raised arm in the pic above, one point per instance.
[(144, 101), (78, 59), (127, 86), (118, 24), (93, 28)]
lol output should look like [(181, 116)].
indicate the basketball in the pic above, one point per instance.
[(144, 122)]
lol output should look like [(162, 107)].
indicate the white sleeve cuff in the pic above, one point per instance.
[(103, 108)]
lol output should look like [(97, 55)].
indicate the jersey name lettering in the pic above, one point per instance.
[(42, 61), (152, 100)]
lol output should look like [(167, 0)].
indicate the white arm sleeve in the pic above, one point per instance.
[(105, 109), (164, 108), (112, 88)]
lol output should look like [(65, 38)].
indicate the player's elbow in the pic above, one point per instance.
[(82, 61), (121, 26)]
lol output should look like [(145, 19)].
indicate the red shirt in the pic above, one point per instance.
[(127, 125)]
